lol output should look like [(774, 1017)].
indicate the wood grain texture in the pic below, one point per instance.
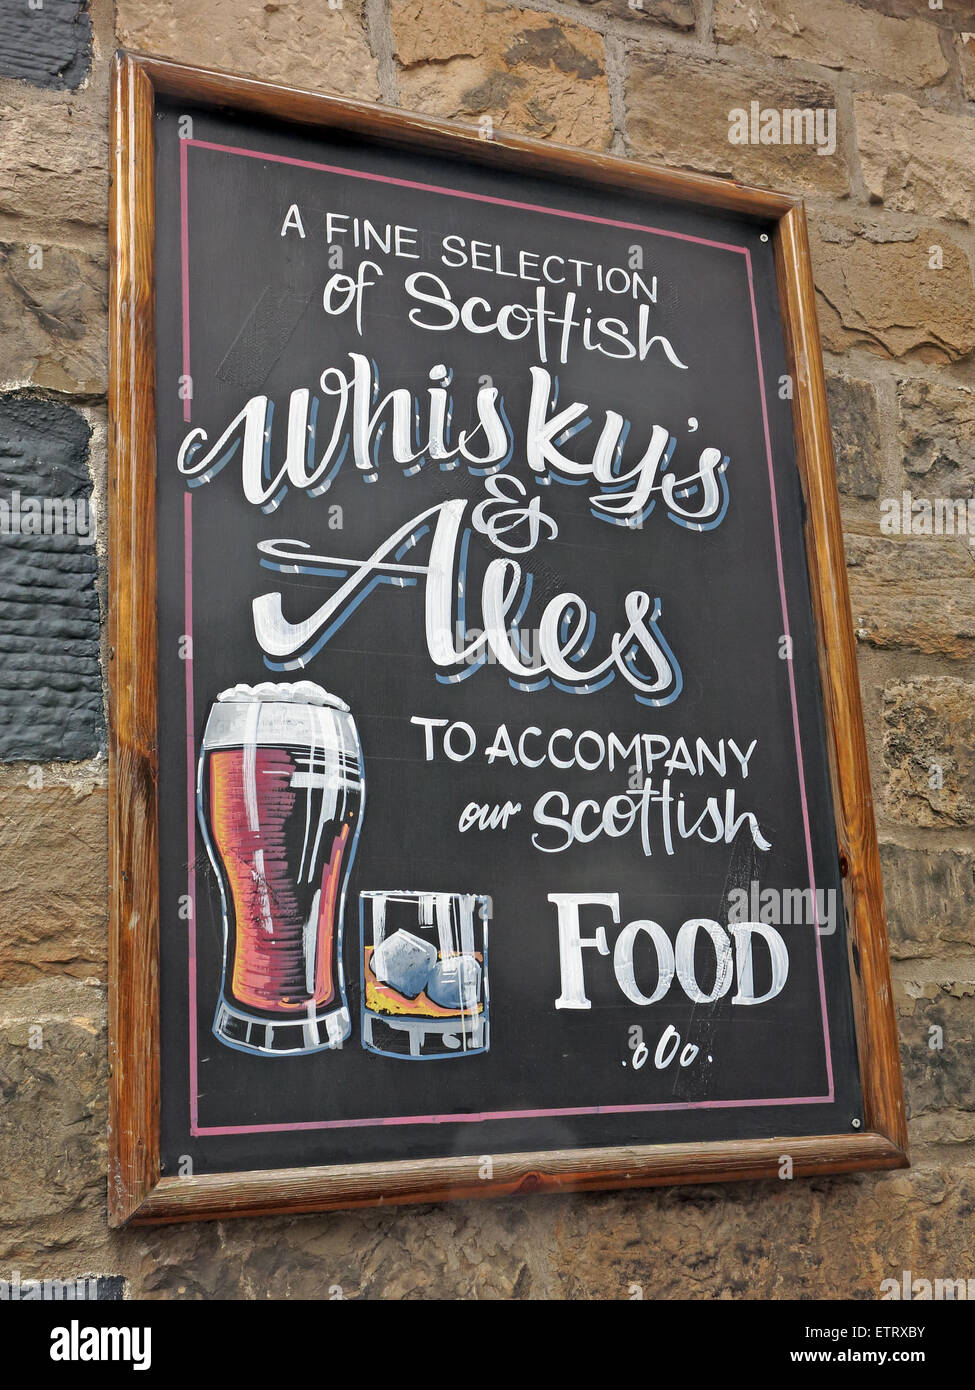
[(136, 1191), (455, 140), (295, 1190), (849, 767), (133, 828)]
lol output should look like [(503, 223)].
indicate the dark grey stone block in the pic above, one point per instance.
[(49, 46), (855, 420), (50, 675)]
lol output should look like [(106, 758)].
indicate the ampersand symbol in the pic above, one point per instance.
[(501, 513)]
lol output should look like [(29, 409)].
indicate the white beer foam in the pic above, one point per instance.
[(282, 692), (302, 715)]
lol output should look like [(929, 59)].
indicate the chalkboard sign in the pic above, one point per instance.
[(490, 803)]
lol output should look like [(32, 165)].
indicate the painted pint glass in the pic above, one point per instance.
[(279, 795)]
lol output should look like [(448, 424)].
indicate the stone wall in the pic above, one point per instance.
[(892, 214)]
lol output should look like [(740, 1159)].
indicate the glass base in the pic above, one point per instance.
[(420, 1039), (285, 1037)]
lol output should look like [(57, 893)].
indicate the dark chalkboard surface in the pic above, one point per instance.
[(494, 801)]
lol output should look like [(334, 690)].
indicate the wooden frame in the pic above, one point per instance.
[(136, 1191)]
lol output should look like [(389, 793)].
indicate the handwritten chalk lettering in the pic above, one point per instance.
[(638, 651), (667, 1045), (459, 741), (492, 258), (590, 749), (507, 513), (342, 290), (428, 726), (556, 325), (391, 239), (472, 398), (358, 419), (667, 1049), (696, 500), (644, 946), (705, 490), (292, 222), (488, 817), (656, 814)]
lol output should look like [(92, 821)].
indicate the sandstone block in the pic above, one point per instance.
[(949, 14), (673, 14), (53, 865), (916, 159), (799, 1239), (895, 293), (937, 1031), (309, 45), (936, 431), (54, 171), (930, 899), (679, 111), (534, 73), (835, 34), (53, 1087), (965, 44), (929, 750), (913, 593), (53, 317)]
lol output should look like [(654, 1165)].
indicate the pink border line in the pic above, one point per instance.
[(184, 256), (458, 193), (191, 783), (792, 683), (467, 1118)]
